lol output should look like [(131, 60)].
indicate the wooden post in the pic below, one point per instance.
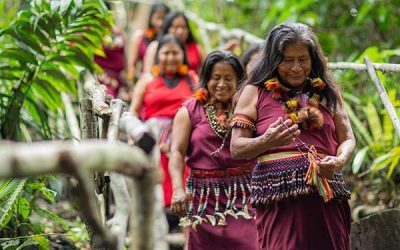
[(119, 222), (383, 95), (71, 118)]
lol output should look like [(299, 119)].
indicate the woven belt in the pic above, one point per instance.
[(283, 155), (219, 173)]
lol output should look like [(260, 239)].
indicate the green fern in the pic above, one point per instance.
[(10, 202), (47, 47)]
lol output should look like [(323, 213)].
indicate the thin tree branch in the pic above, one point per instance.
[(383, 95)]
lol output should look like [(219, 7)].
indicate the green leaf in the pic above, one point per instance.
[(358, 125), (7, 187), (380, 163), (21, 56), (48, 194), (6, 210), (359, 159), (374, 122), (39, 116), (24, 208), (38, 240), (52, 216), (46, 96), (393, 165)]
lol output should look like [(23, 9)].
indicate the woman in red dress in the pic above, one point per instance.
[(160, 94), (177, 24)]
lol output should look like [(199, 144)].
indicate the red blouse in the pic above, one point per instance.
[(193, 55), (161, 101)]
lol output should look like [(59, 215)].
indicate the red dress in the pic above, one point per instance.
[(161, 103), (193, 55)]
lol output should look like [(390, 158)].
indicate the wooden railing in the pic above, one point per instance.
[(132, 171)]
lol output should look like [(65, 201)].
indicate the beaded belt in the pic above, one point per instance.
[(220, 173), (281, 175)]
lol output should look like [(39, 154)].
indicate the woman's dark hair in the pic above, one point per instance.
[(272, 55), (168, 23), (221, 56), (248, 54), (170, 39), (154, 8)]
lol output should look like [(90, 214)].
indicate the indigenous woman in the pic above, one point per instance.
[(142, 38), (160, 94), (214, 204), (112, 63), (177, 24), (290, 116)]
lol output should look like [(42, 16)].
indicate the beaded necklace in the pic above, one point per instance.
[(219, 122), (310, 117), (300, 108)]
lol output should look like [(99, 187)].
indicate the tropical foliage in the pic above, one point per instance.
[(43, 48)]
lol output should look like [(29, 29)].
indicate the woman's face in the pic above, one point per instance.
[(179, 28), (170, 57), (296, 65), (223, 81), (157, 20)]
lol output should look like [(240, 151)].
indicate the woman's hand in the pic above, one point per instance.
[(179, 203), (329, 165), (280, 133)]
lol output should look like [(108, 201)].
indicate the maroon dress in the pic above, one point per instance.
[(290, 214), (218, 188)]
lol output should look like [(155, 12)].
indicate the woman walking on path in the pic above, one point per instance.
[(160, 94), (215, 202), (290, 116), (142, 38), (177, 24)]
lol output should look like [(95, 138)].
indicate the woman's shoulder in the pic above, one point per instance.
[(250, 90), (191, 104)]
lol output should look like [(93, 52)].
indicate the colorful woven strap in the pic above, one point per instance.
[(243, 121), (220, 173)]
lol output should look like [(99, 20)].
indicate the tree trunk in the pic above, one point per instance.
[(380, 231)]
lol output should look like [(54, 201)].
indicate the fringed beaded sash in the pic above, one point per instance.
[(282, 175), (231, 185)]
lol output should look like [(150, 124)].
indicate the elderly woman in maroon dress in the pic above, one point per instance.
[(290, 116), (215, 202)]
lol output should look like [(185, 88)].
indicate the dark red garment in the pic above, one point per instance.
[(144, 43), (203, 142), (269, 110), (161, 103), (304, 222), (113, 64), (194, 56), (239, 234)]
